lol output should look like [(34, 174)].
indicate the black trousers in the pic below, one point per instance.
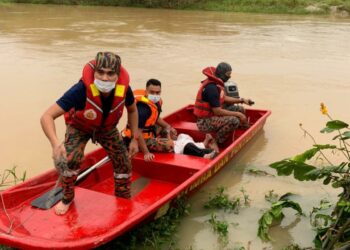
[(192, 149)]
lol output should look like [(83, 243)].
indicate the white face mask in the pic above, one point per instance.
[(154, 98), (104, 86)]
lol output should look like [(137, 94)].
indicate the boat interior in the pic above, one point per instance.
[(152, 182)]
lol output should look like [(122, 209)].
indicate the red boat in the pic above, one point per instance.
[(97, 216)]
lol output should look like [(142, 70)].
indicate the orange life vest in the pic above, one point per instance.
[(91, 117), (149, 129), (202, 109)]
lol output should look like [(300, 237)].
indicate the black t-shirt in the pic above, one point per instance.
[(145, 112), (211, 94)]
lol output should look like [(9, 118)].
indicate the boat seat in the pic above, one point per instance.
[(187, 161), (169, 167), (189, 128), (184, 125)]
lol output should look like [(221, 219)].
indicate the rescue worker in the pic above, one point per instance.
[(208, 108), (152, 127), (92, 109)]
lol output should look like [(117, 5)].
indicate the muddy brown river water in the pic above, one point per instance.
[(288, 64)]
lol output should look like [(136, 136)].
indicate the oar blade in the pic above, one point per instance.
[(49, 199)]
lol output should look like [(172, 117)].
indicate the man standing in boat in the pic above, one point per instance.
[(92, 109), (153, 128), (208, 108)]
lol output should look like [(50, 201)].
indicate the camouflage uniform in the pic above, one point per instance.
[(161, 142), (223, 126), (110, 140)]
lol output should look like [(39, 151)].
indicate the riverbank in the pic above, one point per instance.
[(334, 7)]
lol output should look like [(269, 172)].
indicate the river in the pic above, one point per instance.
[(288, 64)]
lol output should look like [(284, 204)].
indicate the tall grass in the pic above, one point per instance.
[(10, 177)]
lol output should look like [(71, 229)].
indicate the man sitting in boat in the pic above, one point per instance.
[(153, 128), (92, 109), (208, 108)]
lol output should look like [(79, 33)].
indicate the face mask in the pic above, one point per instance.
[(104, 86), (154, 98), (224, 78)]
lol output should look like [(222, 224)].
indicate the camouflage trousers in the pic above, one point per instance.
[(223, 126), (111, 141), (160, 143)]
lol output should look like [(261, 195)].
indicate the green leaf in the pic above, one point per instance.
[(268, 218), (287, 167), (276, 211), (341, 183), (284, 167), (293, 205), (308, 154), (286, 196), (274, 214), (325, 146), (327, 180), (336, 124), (325, 217), (345, 135), (327, 130)]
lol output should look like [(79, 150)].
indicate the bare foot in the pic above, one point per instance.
[(213, 145), (61, 208), (207, 140), (211, 155)]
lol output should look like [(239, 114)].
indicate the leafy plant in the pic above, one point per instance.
[(219, 227), (271, 196), (222, 201), (336, 227), (246, 198), (275, 215), (10, 177), (317, 218), (258, 172), (295, 247)]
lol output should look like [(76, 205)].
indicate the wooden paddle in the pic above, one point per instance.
[(50, 198)]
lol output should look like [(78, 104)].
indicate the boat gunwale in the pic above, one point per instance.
[(94, 241)]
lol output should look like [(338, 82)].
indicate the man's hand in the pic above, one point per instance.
[(133, 148), (59, 152), (148, 156), (172, 131), (247, 101), (59, 156), (242, 118)]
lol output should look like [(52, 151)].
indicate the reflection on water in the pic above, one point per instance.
[(288, 64)]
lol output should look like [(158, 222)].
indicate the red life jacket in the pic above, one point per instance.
[(149, 129), (202, 109), (91, 117)]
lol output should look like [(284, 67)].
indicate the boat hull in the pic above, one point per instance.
[(97, 216)]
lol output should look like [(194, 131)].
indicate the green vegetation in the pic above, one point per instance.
[(261, 6), (9, 177), (274, 216), (258, 172), (333, 229), (222, 201), (219, 227)]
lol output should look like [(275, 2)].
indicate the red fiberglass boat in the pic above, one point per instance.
[(97, 216)]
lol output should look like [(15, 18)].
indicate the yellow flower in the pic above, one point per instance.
[(323, 109)]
